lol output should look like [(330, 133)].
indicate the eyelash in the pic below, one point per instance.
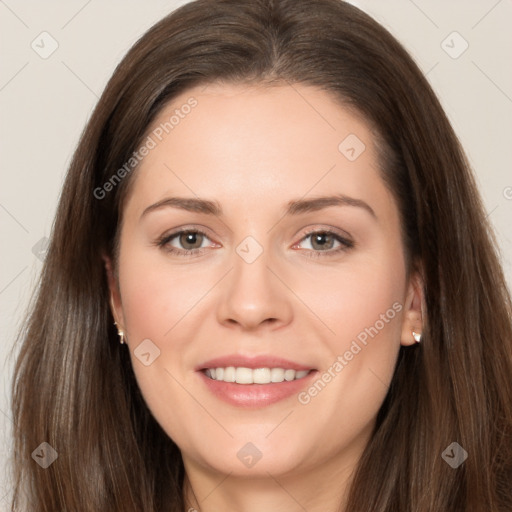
[(165, 239)]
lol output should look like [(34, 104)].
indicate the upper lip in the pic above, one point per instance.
[(261, 361)]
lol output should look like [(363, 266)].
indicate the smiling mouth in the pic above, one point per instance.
[(242, 375)]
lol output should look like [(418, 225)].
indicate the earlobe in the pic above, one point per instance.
[(413, 319)]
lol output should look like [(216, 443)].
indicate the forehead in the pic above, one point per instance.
[(251, 145)]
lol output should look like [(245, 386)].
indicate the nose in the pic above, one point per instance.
[(255, 295)]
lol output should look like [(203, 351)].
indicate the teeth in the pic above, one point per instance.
[(243, 375), (229, 374), (289, 375), (261, 375), (276, 375)]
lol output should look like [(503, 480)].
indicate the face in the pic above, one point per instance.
[(303, 302)]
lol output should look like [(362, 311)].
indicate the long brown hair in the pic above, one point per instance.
[(74, 387)]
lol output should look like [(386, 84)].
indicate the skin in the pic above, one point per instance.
[(254, 149)]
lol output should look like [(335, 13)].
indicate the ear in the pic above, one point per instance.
[(413, 318), (115, 295)]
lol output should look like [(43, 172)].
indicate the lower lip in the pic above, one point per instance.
[(255, 395)]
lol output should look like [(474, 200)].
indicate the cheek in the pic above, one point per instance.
[(155, 296), (357, 301)]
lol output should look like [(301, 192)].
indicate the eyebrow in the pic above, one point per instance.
[(295, 207)]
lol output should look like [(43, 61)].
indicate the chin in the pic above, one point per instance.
[(256, 458)]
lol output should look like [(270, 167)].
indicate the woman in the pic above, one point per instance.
[(271, 284)]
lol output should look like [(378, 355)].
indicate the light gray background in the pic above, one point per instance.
[(45, 104)]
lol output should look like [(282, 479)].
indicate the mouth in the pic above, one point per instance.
[(254, 382)]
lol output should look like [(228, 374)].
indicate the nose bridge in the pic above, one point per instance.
[(253, 294), (251, 265)]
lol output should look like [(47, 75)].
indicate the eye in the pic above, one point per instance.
[(184, 242), (325, 243)]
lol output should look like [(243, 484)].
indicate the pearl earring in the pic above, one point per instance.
[(120, 334)]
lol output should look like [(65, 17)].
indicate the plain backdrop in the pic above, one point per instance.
[(464, 48)]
